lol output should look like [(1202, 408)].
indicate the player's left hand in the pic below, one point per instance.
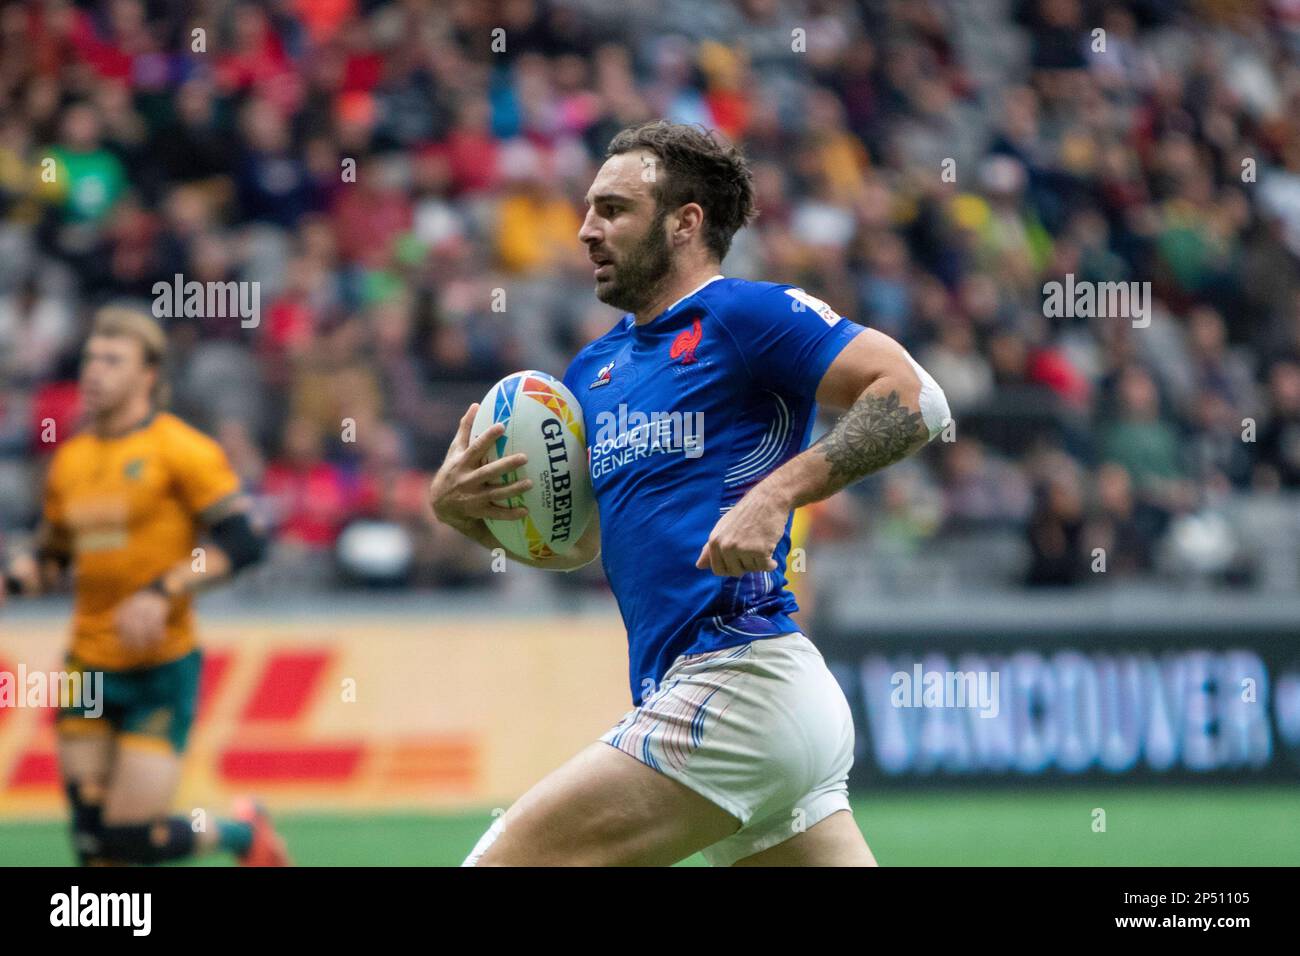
[(140, 620), (745, 537)]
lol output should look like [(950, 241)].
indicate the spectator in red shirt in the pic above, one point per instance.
[(310, 497)]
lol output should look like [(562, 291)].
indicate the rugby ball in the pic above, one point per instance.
[(544, 421)]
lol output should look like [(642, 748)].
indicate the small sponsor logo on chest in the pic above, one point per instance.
[(604, 376)]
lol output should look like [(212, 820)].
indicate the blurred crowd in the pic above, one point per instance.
[(404, 180)]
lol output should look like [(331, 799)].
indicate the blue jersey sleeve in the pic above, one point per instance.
[(788, 338)]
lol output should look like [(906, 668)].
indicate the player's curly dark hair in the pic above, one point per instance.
[(698, 169)]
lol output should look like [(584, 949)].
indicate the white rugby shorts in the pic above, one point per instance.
[(762, 730)]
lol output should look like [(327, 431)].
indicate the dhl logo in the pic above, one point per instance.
[(253, 730)]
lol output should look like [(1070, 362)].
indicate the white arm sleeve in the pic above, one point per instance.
[(934, 404)]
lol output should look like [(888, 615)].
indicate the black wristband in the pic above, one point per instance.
[(13, 585)]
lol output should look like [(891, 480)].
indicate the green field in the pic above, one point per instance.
[(1231, 826)]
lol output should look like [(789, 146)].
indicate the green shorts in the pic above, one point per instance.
[(152, 705)]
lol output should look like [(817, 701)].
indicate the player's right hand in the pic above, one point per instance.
[(467, 486)]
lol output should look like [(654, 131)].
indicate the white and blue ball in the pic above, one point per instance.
[(544, 421)]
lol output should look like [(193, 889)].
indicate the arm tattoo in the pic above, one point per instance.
[(877, 431)]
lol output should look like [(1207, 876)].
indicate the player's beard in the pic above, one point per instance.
[(641, 272)]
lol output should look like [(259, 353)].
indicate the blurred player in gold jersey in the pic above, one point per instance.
[(125, 501)]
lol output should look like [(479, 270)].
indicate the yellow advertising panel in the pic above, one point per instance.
[(348, 713)]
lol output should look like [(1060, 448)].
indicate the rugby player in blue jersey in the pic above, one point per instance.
[(698, 405)]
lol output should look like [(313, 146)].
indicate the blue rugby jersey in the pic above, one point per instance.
[(684, 415)]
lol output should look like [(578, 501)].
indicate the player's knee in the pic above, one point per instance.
[(524, 847)]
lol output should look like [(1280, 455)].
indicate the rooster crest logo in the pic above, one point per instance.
[(685, 343)]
